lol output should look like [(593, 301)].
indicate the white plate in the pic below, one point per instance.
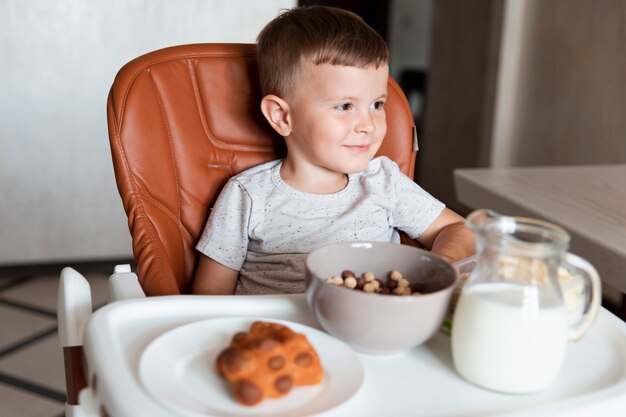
[(178, 370)]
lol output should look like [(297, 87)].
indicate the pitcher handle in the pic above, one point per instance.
[(591, 276)]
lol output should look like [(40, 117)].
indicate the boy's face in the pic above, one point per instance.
[(338, 116)]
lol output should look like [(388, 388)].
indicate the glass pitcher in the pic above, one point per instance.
[(511, 325)]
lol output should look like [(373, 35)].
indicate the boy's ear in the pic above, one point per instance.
[(276, 111)]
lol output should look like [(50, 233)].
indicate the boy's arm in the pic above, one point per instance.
[(213, 278), (448, 237)]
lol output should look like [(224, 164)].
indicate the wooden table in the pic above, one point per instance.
[(588, 201)]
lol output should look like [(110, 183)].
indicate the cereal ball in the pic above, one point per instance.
[(349, 282), (399, 290), (370, 287), (336, 280), (347, 273), (369, 277), (391, 284), (403, 283), (360, 282), (396, 276)]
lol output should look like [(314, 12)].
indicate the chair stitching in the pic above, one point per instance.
[(169, 137), (156, 203), (138, 202), (139, 71), (207, 130)]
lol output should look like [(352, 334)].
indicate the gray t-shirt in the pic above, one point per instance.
[(264, 228)]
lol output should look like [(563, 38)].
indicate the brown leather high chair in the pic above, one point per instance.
[(182, 121)]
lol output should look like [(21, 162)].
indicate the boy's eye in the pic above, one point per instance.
[(378, 105), (344, 106)]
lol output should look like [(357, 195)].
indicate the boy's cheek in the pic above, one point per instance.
[(381, 131)]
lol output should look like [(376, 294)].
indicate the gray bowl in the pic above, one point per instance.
[(379, 324)]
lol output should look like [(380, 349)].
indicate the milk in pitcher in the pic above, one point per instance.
[(506, 338)]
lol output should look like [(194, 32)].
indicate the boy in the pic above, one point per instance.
[(324, 76)]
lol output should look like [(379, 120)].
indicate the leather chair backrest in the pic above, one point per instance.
[(183, 120)]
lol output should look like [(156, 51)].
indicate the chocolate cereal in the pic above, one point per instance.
[(395, 284)]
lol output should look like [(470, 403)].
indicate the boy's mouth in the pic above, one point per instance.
[(358, 148)]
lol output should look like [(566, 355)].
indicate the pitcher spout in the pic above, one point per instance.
[(479, 219)]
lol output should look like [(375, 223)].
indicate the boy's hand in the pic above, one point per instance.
[(449, 238)]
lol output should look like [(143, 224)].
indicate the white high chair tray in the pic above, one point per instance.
[(422, 382)]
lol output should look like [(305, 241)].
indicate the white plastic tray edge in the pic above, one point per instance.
[(123, 395)]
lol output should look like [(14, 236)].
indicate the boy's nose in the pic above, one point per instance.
[(365, 124)]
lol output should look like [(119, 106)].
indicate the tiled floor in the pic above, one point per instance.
[(32, 382)]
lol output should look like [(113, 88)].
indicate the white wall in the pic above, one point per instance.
[(58, 199)]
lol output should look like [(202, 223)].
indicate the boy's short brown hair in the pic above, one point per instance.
[(322, 35)]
